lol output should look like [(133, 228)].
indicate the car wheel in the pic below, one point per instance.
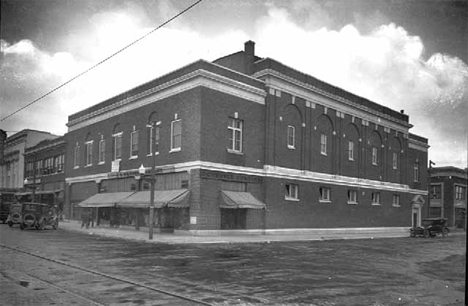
[(445, 232), (426, 233), (21, 226), (10, 224)]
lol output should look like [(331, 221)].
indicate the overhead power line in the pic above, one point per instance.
[(102, 61)]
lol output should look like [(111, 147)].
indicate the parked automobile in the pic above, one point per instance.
[(14, 215), (38, 215), (431, 227)]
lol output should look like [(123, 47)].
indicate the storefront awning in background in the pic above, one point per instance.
[(233, 199), (105, 199), (177, 198)]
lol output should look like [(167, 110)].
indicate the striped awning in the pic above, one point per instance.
[(177, 198), (235, 199), (108, 199)]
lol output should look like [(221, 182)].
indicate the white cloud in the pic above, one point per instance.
[(385, 66)]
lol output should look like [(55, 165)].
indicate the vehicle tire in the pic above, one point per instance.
[(426, 233), (445, 232), (55, 225), (21, 226), (10, 224)]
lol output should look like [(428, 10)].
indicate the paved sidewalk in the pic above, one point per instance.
[(181, 237)]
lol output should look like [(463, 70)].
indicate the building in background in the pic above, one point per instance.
[(13, 149), (246, 142), (447, 194), (45, 172)]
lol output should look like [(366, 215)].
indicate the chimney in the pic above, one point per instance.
[(249, 50), (3, 137)]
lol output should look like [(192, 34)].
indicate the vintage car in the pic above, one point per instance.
[(431, 228), (14, 215), (38, 215)]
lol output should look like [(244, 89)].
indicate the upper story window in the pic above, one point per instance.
[(460, 192), (102, 151), (117, 146), (323, 144), (49, 165), (152, 140), (436, 192), (291, 192), (235, 134), (350, 150), (416, 172), (352, 196), (325, 194), (291, 137), (29, 169), (76, 157), (176, 135), (395, 160), (396, 200), (89, 153), (374, 156), (59, 162), (39, 170), (134, 137), (376, 198)]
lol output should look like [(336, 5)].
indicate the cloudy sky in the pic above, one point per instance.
[(409, 55)]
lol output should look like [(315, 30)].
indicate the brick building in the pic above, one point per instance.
[(246, 143), (12, 153), (447, 195), (45, 172)]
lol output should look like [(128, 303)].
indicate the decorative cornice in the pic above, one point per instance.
[(417, 145), (275, 172), (45, 147), (306, 91)]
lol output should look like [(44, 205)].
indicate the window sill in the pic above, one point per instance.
[(376, 204), (87, 166), (175, 150), (76, 167), (291, 199), (133, 157), (291, 147), (231, 151), (323, 154), (101, 163), (151, 154), (394, 205), (324, 201), (353, 203)]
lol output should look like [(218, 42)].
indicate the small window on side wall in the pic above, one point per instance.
[(376, 198), (352, 197), (291, 192), (396, 200), (325, 194), (291, 137)]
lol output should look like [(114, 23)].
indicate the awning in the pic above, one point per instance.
[(176, 198), (233, 199), (105, 199)]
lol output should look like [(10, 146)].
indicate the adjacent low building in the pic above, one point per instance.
[(447, 195), (245, 143)]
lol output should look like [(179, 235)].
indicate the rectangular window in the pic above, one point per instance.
[(350, 150), (376, 198), (153, 138), (396, 200), (374, 156), (324, 194), (176, 135), (134, 144), (89, 153), (436, 192), (460, 193), (29, 169), (352, 196), (39, 167), (60, 163), (76, 157), (102, 151), (395, 160), (235, 135), (416, 172), (117, 146), (291, 137), (291, 192), (323, 144)]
